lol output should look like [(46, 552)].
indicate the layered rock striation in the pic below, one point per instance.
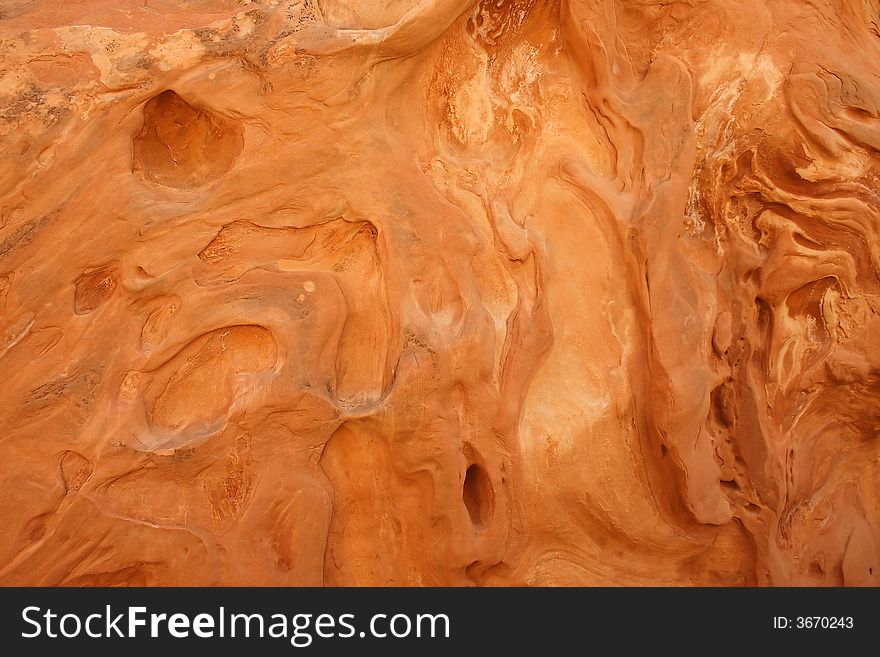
[(440, 292)]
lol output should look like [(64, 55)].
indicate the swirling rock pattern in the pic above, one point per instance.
[(429, 292)]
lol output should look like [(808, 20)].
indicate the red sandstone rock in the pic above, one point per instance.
[(440, 292)]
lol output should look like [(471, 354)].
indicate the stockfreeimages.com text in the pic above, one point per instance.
[(300, 629)]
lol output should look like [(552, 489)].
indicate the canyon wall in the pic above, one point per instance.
[(440, 292)]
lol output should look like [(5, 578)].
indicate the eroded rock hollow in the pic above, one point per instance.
[(440, 292)]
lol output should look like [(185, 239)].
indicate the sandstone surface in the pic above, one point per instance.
[(440, 292)]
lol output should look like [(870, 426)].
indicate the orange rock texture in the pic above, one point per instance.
[(440, 292)]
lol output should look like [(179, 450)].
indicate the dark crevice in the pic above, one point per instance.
[(478, 496)]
